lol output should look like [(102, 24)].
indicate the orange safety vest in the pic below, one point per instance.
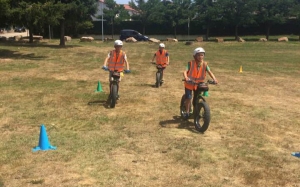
[(161, 58), (195, 75), (116, 62)]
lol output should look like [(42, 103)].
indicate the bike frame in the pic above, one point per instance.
[(197, 97), (201, 109)]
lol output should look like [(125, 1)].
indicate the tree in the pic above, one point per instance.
[(76, 15), (34, 14), (295, 12), (271, 12), (239, 12), (4, 12), (175, 14), (147, 11), (29, 14), (114, 14), (209, 12)]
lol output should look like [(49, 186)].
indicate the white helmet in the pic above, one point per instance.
[(118, 42), (162, 45), (198, 50)]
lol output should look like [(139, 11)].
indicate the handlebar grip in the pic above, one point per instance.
[(211, 82)]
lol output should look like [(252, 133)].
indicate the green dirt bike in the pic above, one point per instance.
[(201, 108)]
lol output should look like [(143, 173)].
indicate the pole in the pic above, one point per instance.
[(102, 21), (188, 29)]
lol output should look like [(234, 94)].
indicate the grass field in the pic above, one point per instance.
[(255, 123)]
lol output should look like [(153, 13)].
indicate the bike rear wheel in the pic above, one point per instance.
[(158, 75), (201, 116), (113, 95)]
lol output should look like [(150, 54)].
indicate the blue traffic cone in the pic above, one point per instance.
[(44, 144), (296, 154), (99, 87), (205, 93)]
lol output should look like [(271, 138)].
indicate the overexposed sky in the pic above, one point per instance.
[(122, 1)]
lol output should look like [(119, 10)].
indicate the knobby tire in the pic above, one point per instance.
[(114, 93), (201, 116), (157, 84)]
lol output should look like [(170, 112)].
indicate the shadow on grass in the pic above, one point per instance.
[(146, 85), (104, 103), (182, 124), (36, 44), (99, 102), (4, 53)]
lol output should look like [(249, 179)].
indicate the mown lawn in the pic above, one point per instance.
[(143, 142)]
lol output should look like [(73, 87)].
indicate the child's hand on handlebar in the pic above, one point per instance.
[(127, 71), (105, 68)]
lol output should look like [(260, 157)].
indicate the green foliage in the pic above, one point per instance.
[(209, 13), (239, 12), (114, 13), (4, 12), (175, 14), (147, 11), (270, 12)]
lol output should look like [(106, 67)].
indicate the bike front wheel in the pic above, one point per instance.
[(201, 116), (113, 95), (157, 84)]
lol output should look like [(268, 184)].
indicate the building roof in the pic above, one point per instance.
[(127, 7)]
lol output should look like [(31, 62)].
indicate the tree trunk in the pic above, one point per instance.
[(144, 29), (30, 35), (207, 33), (62, 33), (112, 29), (268, 31), (236, 32), (175, 32)]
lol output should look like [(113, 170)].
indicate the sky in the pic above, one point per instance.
[(122, 1)]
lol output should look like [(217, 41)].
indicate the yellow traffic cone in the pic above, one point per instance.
[(241, 69)]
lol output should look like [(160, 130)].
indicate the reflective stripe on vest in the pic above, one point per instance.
[(195, 75), (161, 58), (116, 62)]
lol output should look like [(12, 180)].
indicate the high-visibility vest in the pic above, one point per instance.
[(161, 58), (195, 75), (116, 62)]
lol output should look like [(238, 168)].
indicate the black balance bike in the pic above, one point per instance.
[(114, 87), (158, 75), (201, 108)]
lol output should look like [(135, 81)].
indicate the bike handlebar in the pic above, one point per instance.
[(156, 64), (208, 82)]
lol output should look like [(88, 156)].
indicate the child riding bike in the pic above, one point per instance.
[(116, 60), (194, 74), (162, 58)]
